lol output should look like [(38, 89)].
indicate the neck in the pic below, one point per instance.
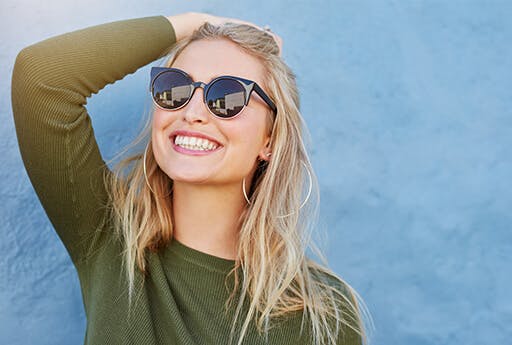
[(206, 218)]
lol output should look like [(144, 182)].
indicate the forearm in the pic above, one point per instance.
[(84, 61)]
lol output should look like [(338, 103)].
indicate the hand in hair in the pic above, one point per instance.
[(184, 24)]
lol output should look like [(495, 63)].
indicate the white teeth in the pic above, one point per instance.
[(194, 143)]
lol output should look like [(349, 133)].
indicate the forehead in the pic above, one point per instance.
[(204, 60)]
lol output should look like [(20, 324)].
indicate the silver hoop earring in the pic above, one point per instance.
[(310, 189), (245, 192), (145, 174), (144, 168)]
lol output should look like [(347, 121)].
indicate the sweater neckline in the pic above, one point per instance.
[(180, 253)]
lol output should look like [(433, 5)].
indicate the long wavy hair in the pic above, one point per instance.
[(271, 269)]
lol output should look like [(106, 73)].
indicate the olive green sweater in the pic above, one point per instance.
[(183, 297)]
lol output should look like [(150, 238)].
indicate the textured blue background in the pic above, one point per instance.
[(409, 107)]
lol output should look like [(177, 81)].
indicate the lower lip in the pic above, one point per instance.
[(192, 152)]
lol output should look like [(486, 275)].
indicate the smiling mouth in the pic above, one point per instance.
[(194, 143)]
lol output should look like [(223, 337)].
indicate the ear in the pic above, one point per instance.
[(265, 152)]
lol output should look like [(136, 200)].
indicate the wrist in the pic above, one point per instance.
[(184, 24)]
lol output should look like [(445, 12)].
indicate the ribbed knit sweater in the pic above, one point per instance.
[(182, 299)]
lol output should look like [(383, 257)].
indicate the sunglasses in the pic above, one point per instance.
[(224, 96)]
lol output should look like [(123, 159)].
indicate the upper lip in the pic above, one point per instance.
[(193, 134)]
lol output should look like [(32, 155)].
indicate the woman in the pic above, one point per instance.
[(200, 238)]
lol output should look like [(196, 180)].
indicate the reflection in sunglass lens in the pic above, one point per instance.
[(171, 89), (226, 97)]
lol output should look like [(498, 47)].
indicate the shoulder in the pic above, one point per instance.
[(330, 280), (349, 318)]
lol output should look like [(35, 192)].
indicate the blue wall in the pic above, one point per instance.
[(409, 106)]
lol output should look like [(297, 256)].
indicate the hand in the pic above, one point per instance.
[(184, 24)]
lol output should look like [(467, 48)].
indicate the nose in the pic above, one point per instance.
[(195, 111)]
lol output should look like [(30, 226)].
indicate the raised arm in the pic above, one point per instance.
[(50, 83)]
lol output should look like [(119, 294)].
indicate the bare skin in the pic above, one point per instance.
[(207, 192), (184, 24)]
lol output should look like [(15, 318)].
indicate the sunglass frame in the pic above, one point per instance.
[(247, 84)]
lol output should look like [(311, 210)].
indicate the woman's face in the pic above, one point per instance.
[(239, 141)]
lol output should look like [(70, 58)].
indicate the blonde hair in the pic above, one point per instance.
[(276, 276)]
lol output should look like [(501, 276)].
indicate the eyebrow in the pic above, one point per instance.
[(215, 76)]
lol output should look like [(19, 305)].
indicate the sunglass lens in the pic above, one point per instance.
[(226, 98), (171, 89)]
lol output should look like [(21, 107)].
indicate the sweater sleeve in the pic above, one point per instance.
[(50, 83)]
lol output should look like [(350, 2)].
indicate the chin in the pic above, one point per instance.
[(189, 177)]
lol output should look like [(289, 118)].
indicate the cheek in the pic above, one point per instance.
[(162, 119), (159, 118), (249, 133)]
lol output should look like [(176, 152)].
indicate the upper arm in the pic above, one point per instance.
[(59, 151)]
